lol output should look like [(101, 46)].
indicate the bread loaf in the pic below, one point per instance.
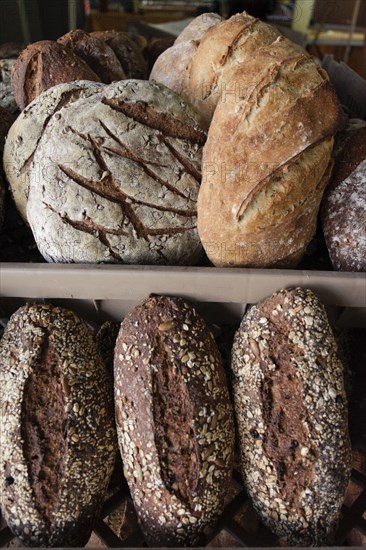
[(344, 206), (127, 52), (7, 99), (291, 411), (58, 435), (43, 65), (174, 420), (96, 54), (172, 67), (25, 134), (117, 178), (267, 157)]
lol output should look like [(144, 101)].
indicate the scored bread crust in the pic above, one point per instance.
[(291, 410), (174, 420), (96, 54), (25, 134), (58, 439), (42, 65), (127, 51), (267, 158), (118, 178)]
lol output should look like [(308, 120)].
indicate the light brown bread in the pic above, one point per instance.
[(117, 178), (174, 420), (58, 443), (96, 54), (291, 411), (267, 158), (42, 65)]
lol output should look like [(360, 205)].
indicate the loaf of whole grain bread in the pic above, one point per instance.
[(174, 420), (25, 134), (291, 411), (115, 178), (344, 205), (58, 439)]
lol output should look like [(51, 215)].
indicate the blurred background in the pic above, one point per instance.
[(323, 27)]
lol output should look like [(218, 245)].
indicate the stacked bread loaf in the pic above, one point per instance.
[(268, 154)]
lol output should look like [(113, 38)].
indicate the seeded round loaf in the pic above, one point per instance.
[(96, 54), (24, 136), (344, 206), (42, 65), (58, 437), (174, 420), (291, 411), (119, 174)]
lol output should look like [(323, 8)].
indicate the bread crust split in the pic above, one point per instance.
[(174, 420)]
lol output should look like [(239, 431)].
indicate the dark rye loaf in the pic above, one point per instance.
[(291, 410), (58, 440), (174, 420), (115, 178), (42, 65), (96, 53)]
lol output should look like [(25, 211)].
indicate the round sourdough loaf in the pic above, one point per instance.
[(25, 134), (344, 206), (174, 420), (116, 178), (7, 99), (58, 439), (291, 411), (42, 65), (96, 54)]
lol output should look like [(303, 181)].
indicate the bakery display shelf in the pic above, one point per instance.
[(238, 525)]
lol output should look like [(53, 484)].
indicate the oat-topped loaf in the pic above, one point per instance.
[(116, 178), (58, 438), (174, 420), (291, 411)]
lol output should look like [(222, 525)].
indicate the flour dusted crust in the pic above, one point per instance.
[(174, 420), (120, 174), (127, 50), (344, 222), (42, 65), (7, 99), (58, 440), (291, 410), (25, 134)]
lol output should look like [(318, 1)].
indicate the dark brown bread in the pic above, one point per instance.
[(10, 50), (43, 65), (58, 435), (6, 120), (127, 51), (174, 420), (96, 53), (291, 411), (344, 206), (106, 341)]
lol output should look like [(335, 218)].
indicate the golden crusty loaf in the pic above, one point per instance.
[(291, 410), (58, 439), (174, 420), (267, 158)]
